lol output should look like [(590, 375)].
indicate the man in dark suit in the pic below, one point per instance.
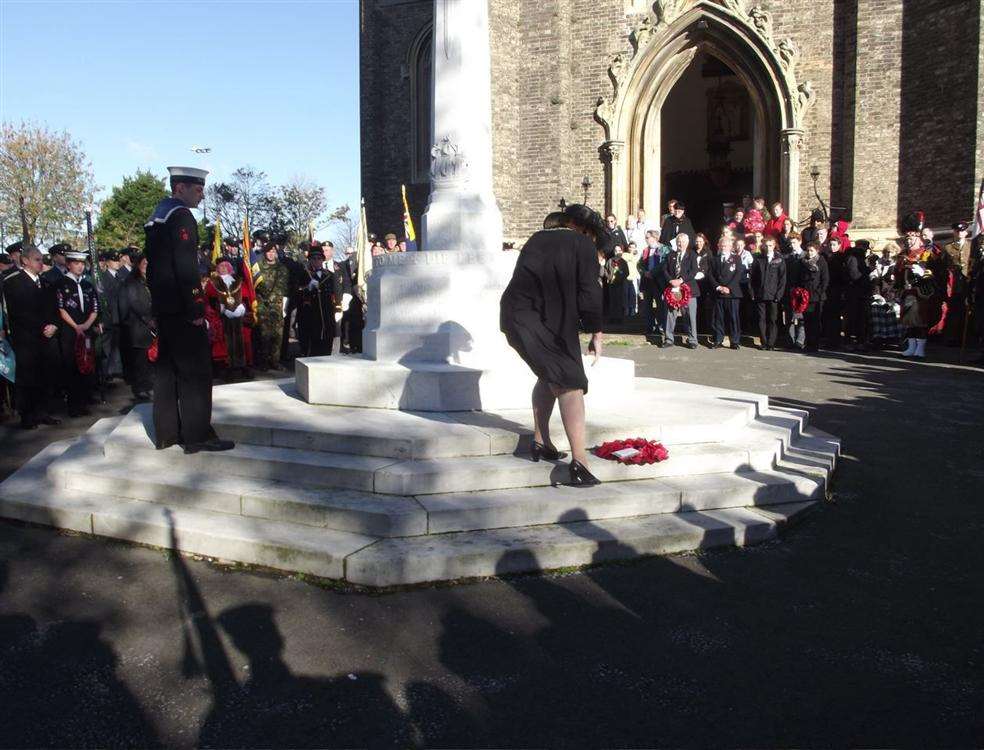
[(183, 377), (682, 267), (726, 274), (676, 223), (111, 283), (31, 311)]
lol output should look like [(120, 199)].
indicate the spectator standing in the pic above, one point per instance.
[(619, 239), (78, 308), (110, 357), (833, 307), (630, 306), (316, 311), (857, 294), (635, 233), (137, 320), (682, 267), (32, 325), (271, 280), (726, 272), (678, 223), (814, 278), (225, 293), (768, 286)]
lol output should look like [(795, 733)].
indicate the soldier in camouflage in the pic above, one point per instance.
[(271, 280)]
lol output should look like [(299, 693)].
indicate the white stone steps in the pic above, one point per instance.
[(470, 554), (546, 505), (273, 416), (28, 496)]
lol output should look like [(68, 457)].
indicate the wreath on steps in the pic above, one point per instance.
[(647, 451)]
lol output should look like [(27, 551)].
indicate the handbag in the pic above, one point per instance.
[(8, 362)]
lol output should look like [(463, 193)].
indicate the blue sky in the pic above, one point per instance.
[(273, 84)]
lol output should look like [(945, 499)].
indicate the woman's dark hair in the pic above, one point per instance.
[(582, 217), (555, 220)]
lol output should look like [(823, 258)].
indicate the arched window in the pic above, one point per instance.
[(419, 63)]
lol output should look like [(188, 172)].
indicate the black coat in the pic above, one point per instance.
[(768, 278), (172, 261), (857, 282), (136, 314), (815, 280), (726, 270), (672, 226), (619, 238), (554, 290), (112, 288), (686, 268), (30, 307)]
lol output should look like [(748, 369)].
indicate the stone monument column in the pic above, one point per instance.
[(462, 212)]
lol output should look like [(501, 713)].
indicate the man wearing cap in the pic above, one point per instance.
[(32, 325), (126, 263), (392, 246), (14, 253), (183, 376), (58, 267), (271, 279), (111, 362)]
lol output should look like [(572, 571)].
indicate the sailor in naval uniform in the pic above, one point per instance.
[(183, 375)]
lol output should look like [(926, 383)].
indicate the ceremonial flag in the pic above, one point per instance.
[(408, 222), (216, 241), (363, 255), (248, 290), (978, 225)]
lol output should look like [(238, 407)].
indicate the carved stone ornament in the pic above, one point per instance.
[(791, 140), (447, 160), (611, 151), (665, 12)]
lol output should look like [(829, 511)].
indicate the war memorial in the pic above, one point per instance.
[(409, 464)]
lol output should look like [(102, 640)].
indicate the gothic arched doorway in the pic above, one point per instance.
[(709, 127), (667, 50)]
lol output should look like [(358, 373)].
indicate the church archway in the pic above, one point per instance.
[(665, 47)]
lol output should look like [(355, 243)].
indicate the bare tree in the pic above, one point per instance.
[(247, 193), (51, 172), (344, 227), (302, 204)]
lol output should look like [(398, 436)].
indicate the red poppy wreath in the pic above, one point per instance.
[(647, 451), (799, 299), (677, 297)]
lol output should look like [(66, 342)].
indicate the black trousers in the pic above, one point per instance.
[(141, 373), (768, 318), (833, 308), (726, 307), (811, 322), (353, 322), (182, 383), (78, 387), (34, 366)]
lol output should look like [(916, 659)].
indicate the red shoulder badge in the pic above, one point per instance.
[(183, 235)]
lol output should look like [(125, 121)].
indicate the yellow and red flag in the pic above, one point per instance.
[(408, 230), (248, 290), (216, 241)]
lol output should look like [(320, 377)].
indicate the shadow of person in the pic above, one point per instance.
[(275, 708)]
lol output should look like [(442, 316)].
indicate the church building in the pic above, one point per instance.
[(870, 108)]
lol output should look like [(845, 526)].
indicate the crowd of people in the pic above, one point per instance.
[(800, 286), (75, 328)]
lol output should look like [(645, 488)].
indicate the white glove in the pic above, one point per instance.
[(699, 276), (918, 270), (346, 301), (239, 311), (338, 317), (228, 313), (283, 307)]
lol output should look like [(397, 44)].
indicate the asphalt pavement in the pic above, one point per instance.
[(861, 626)]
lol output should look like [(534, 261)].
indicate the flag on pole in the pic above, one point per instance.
[(363, 255), (216, 241), (408, 231), (978, 225), (248, 290)]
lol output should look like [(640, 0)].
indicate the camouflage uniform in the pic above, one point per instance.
[(271, 282)]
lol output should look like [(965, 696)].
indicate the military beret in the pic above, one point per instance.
[(231, 241), (112, 255), (390, 236), (14, 248), (60, 249), (960, 226), (315, 253)]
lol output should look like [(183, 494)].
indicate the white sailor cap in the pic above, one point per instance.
[(188, 174), (76, 255)]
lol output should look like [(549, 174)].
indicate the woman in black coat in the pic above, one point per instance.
[(555, 290), (814, 277), (137, 319)]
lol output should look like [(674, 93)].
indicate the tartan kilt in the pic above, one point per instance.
[(884, 323)]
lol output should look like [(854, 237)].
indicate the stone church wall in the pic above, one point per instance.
[(881, 71)]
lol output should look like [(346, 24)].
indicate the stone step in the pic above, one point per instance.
[(271, 414), (85, 470), (28, 496), (472, 554), (547, 505)]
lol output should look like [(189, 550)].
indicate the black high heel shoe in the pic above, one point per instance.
[(581, 477), (539, 450)]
